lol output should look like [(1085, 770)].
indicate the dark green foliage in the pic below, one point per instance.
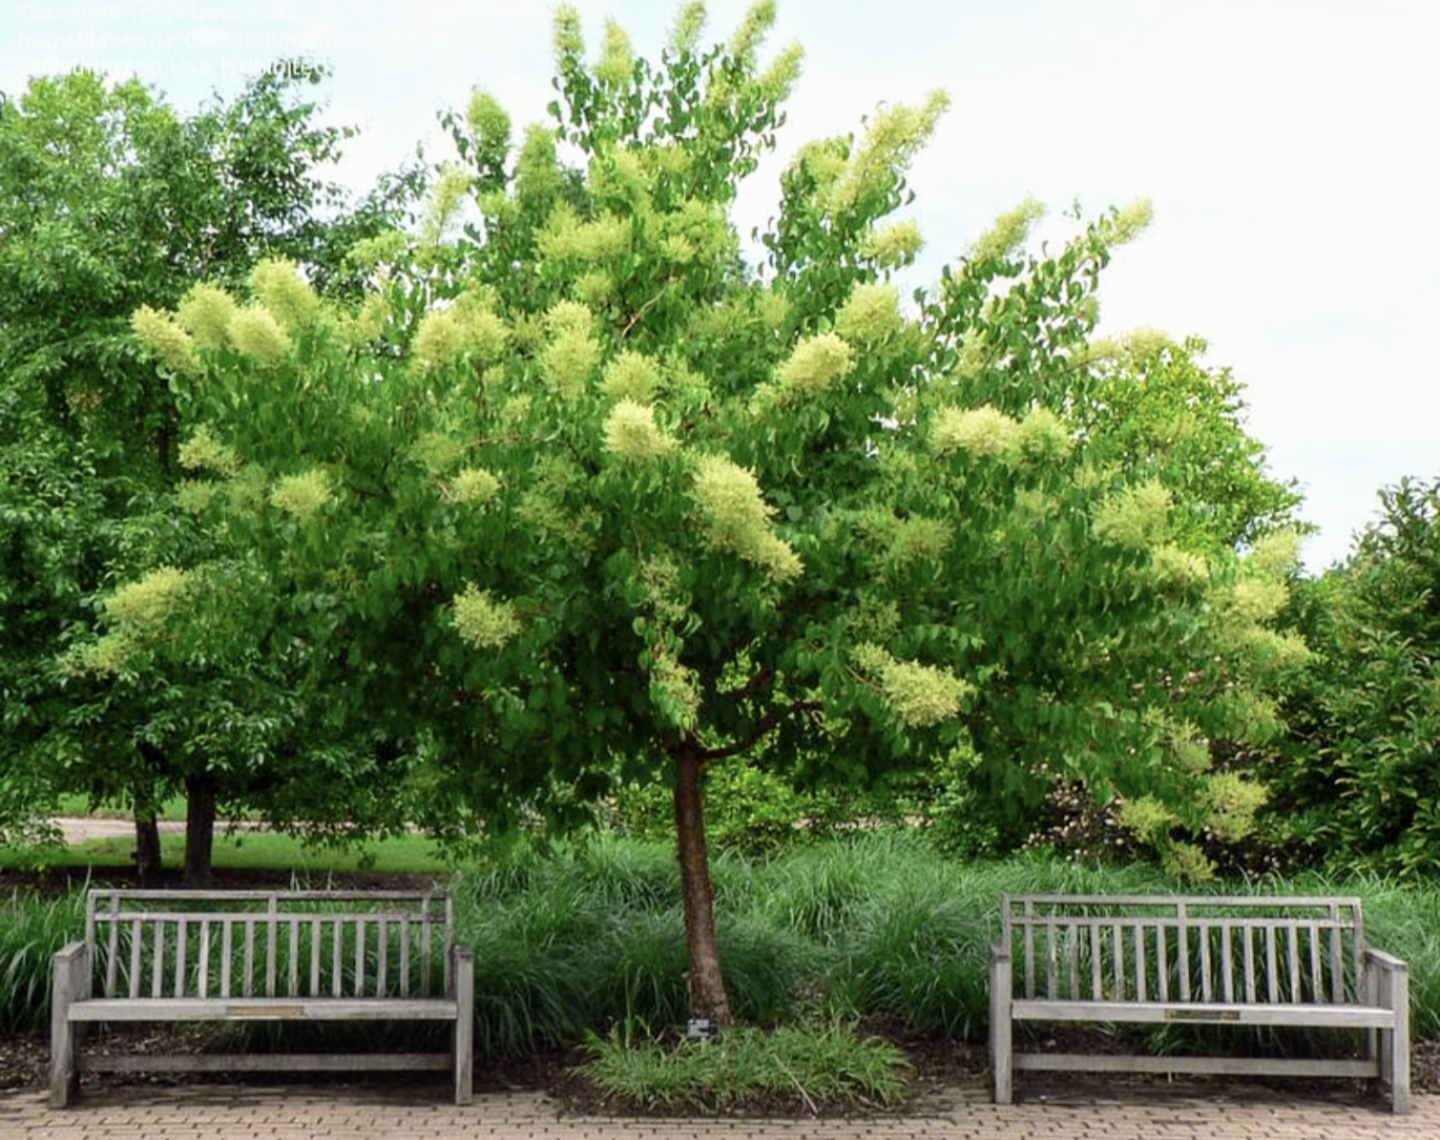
[(1358, 782)]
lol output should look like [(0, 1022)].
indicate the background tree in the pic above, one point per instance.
[(587, 495), (1356, 782), (110, 199)]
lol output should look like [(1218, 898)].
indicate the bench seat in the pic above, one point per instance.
[(265, 1009), (1214, 1013)]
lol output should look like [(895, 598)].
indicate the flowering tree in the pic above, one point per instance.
[(110, 198), (583, 492)]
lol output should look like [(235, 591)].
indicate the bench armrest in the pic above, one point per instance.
[(1383, 961), (70, 974)]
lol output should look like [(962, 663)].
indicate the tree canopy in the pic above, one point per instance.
[(589, 489)]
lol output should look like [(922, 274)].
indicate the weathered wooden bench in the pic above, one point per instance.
[(1270, 962), (273, 956)]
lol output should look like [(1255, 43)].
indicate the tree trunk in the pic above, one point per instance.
[(145, 803), (199, 829), (708, 1000), (147, 843)]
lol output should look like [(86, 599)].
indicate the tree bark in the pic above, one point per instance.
[(145, 803), (199, 829), (147, 843), (708, 1000)]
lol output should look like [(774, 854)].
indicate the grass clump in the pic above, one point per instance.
[(32, 931), (800, 1068)]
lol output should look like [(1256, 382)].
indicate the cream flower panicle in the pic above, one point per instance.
[(147, 602), (278, 285), (255, 332), (206, 311), (738, 519), (871, 314), (917, 695), (815, 364), (632, 376), (473, 485), (894, 246), (631, 434), (1137, 517), (302, 495), (481, 621), (982, 431), (203, 452), (166, 340)]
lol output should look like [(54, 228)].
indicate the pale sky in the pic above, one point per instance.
[(1287, 146)]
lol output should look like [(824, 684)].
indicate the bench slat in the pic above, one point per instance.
[(359, 957), (1119, 971), (113, 957), (1207, 981), (157, 973), (249, 957), (227, 954), (1227, 965), (202, 982), (337, 958), (266, 1062), (1096, 960), (272, 941), (137, 944), (1140, 990), (405, 958), (1183, 950), (1231, 1066), (265, 1009), (1155, 1012)]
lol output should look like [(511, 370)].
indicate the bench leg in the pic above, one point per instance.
[(64, 1080), (1001, 1031), (464, 1042), (1395, 1043)]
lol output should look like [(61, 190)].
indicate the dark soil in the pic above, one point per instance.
[(939, 1065)]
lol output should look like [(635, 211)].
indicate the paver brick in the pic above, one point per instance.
[(219, 1112)]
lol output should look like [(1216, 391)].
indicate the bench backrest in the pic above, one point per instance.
[(1202, 949), (291, 944)]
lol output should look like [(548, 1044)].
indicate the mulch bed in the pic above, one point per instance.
[(938, 1065)]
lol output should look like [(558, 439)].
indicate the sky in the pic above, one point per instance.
[(1287, 147)]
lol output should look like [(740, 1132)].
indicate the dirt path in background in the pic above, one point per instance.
[(79, 829)]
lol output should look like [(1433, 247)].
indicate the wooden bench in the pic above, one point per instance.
[(1201, 960), (245, 956)]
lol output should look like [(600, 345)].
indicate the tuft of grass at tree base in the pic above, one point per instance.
[(803, 1068)]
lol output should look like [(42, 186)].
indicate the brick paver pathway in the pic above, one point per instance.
[(1060, 1112)]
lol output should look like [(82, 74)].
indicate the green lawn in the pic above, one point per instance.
[(77, 806), (250, 851)]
